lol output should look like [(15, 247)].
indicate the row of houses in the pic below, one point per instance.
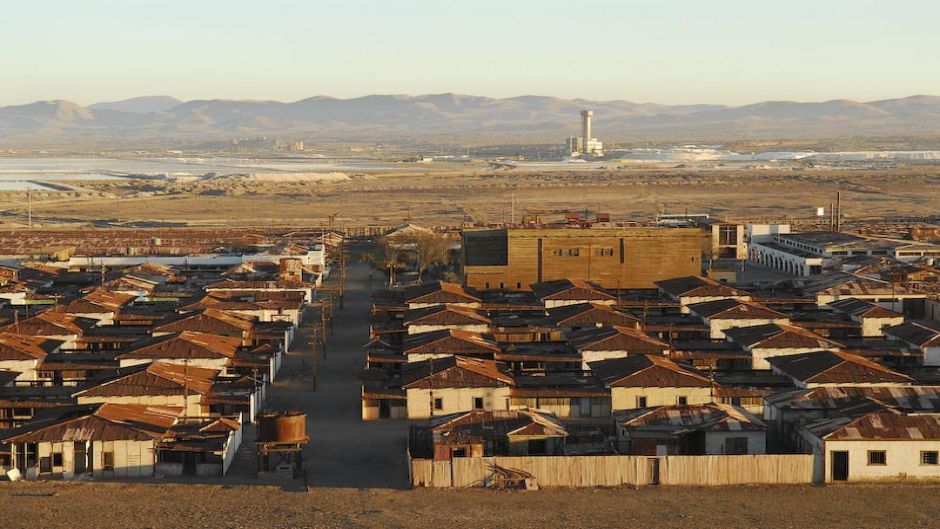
[(694, 367), (141, 369)]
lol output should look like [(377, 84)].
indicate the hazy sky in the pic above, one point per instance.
[(666, 51)]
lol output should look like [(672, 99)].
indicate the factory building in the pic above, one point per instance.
[(586, 143), (617, 258)]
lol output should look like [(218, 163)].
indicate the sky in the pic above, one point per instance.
[(662, 51)]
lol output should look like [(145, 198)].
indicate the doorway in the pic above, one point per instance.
[(840, 466), (652, 471)]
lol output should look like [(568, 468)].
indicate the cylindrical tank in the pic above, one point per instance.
[(282, 427)]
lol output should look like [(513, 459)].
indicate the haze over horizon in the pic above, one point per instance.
[(681, 52)]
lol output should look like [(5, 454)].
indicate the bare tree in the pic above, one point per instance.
[(429, 248)]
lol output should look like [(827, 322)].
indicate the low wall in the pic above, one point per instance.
[(617, 471)]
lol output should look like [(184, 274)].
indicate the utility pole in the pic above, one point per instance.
[(342, 271), (313, 350), (29, 207)]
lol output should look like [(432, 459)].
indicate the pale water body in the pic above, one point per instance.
[(106, 168)]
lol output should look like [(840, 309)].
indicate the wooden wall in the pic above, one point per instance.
[(616, 471)]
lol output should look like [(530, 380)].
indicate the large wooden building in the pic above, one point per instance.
[(624, 257)]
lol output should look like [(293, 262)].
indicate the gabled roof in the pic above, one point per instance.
[(616, 338), (695, 286), (99, 300), (919, 333), (778, 336), (449, 341), (904, 398), (863, 309), (647, 371), (570, 289), (849, 285), (679, 420), (495, 424), (21, 347), (836, 367), (733, 309), (879, 425), (589, 315), (51, 323), (157, 378), (208, 320), (97, 422), (185, 345), (438, 292), (444, 315), (458, 371)]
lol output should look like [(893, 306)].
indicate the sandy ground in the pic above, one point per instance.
[(486, 196)]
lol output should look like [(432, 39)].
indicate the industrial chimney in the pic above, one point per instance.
[(586, 116)]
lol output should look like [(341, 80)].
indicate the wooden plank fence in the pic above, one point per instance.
[(616, 471)]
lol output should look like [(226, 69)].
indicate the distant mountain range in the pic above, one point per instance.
[(447, 118)]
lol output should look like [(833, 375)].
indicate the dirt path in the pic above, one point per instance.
[(343, 451)]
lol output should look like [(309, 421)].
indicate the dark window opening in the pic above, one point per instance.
[(877, 457)]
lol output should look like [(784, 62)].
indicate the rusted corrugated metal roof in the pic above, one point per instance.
[(683, 419), (647, 371), (97, 422), (836, 367)]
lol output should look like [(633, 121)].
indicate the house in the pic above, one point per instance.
[(569, 318), (689, 290), (872, 317), (439, 293), (24, 354), (439, 317), (563, 292), (60, 326), (880, 445), (482, 433), (602, 343), (708, 429), (839, 286), (835, 368), (724, 314), (447, 342), (100, 304), (106, 440), (922, 336), (194, 348), (155, 384), (788, 411), (568, 395), (644, 381), (775, 339), (454, 384), (199, 446)]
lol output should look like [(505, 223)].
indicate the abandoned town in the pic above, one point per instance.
[(510, 265)]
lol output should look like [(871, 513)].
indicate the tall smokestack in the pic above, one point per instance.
[(586, 116)]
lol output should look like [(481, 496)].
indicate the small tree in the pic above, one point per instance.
[(389, 261)]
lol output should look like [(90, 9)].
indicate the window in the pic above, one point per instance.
[(736, 446), (574, 252), (458, 452), (501, 285), (107, 459), (438, 404), (478, 403), (641, 402), (682, 400), (486, 285), (929, 458), (727, 235), (604, 252), (57, 459), (877, 457), (557, 252), (518, 285)]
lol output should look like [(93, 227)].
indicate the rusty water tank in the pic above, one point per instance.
[(282, 427)]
